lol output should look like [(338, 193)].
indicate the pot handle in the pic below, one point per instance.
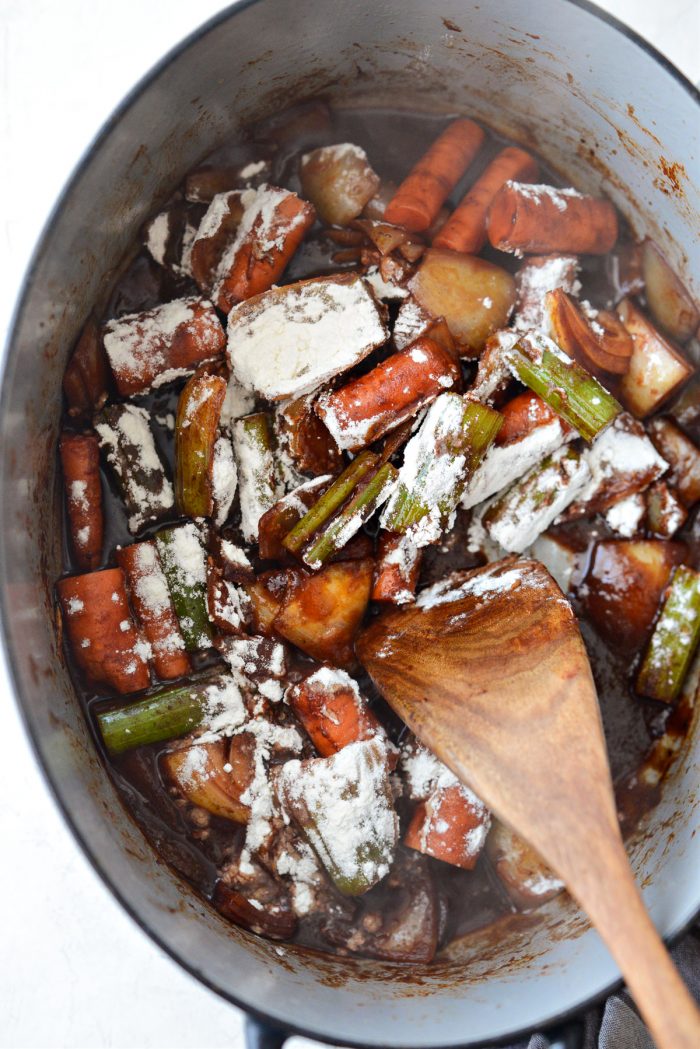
[(261, 1035), (568, 1035)]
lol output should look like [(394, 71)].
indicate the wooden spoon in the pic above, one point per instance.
[(493, 676)]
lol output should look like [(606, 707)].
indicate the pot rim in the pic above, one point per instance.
[(25, 288)]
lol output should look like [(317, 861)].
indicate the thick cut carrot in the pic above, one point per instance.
[(86, 378), (397, 569), (150, 599), (332, 710), (522, 415), (465, 229), (156, 346), (542, 220), (80, 459), (258, 257), (216, 230), (368, 407), (101, 632), (451, 825), (422, 193)]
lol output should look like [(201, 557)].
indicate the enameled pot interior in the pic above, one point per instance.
[(602, 110)]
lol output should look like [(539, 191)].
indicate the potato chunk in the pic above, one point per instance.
[(474, 296), (670, 304), (324, 613), (339, 181), (623, 587), (656, 368), (526, 878)]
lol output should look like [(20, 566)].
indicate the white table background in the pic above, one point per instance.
[(74, 969)]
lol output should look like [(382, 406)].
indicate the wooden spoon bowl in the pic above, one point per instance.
[(490, 672)]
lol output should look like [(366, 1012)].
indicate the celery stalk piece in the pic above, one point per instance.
[(352, 516), (253, 447), (526, 509), (331, 500), (568, 389), (438, 462), (196, 429), (162, 716), (674, 640), (184, 565)]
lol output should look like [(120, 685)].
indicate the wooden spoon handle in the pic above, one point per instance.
[(620, 917)]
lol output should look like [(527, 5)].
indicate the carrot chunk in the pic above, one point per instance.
[(150, 599), (332, 710), (216, 231), (101, 632), (80, 459), (522, 415), (451, 825), (368, 407), (86, 378), (420, 196), (154, 347), (272, 227), (397, 569), (465, 229), (542, 220)]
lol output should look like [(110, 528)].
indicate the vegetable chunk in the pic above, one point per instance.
[(332, 710), (343, 806), (438, 462), (623, 587), (272, 226), (451, 825), (572, 392), (102, 635), (656, 368), (80, 460), (420, 196), (669, 301), (127, 440), (675, 639), (474, 296), (150, 599), (184, 565), (465, 229), (323, 613), (204, 774), (196, 430), (368, 407), (526, 878), (290, 340), (152, 348), (682, 455), (542, 220), (528, 508), (339, 181)]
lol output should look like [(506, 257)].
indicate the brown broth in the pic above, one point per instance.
[(393, 141)]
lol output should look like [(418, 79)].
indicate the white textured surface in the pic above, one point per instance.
[(74, 970)]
